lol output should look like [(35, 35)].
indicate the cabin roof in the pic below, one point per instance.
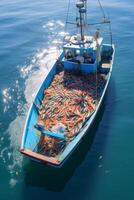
[(87, 45)]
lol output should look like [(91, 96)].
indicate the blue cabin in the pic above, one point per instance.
[(84, 55)]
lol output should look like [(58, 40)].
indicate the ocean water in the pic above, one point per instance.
[(102, 167)]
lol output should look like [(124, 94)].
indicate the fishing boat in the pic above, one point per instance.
[(71, 94)]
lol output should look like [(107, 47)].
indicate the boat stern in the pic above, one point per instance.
[(41, 158)]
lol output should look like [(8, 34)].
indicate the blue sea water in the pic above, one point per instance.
[(102, 168)]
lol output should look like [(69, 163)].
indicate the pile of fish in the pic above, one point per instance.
[(69, 101)]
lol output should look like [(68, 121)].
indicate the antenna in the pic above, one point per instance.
[(81, 5)]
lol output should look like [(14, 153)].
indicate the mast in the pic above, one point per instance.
[(81, 5)]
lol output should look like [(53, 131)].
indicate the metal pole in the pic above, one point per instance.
[(81, 28)]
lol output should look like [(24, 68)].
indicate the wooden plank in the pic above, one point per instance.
[(40, 157)]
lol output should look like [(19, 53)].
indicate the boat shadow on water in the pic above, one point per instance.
[(55, 179)]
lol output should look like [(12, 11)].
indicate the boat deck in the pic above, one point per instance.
[(67, 103)]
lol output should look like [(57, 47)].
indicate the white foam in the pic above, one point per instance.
[(12, 182), (25, 70), (5, 92), (59, 22), (53, 24), (63, 34), (2, 153), (57, 41), (44, 60), (6, 95), (13, 155)]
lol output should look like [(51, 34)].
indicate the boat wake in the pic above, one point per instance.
[(31, 86), (33, 74)]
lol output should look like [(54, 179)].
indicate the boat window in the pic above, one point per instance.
[(68, 53), (77, 52)]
